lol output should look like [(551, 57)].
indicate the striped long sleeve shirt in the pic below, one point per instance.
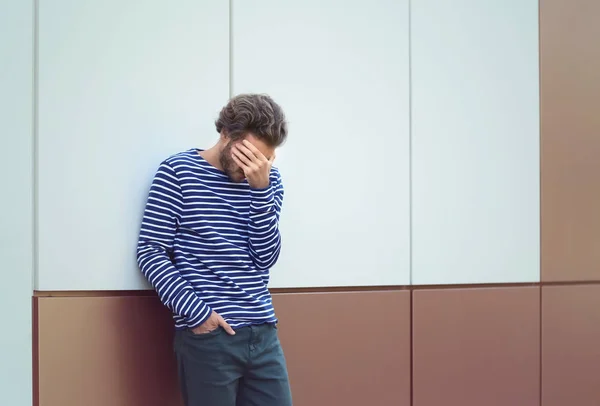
[(207, 243)]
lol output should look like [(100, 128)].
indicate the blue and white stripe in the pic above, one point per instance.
[(207, 243)]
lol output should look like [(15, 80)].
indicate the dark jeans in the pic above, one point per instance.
[(247, 369)]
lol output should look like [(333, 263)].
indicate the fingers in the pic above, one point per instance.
[(226, 326), (242, 165), (247, 147), (250, 156), (247, 156), (245, 159)]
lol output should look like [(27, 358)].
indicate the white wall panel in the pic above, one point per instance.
[(475, 141), (122, 85), (340, 71), (16, 204)]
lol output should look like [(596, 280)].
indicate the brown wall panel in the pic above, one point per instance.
[(342, 348), (474, 347), (35, 370), (99, 351), (350, 349), (570, 143), (571, 345)]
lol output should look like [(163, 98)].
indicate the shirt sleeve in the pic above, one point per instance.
[(162, 217), (264, 235)]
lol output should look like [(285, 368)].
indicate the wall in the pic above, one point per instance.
[(570, 94), (475, 141), (477, 321), (113, 103), (344, 85), (16, 205)]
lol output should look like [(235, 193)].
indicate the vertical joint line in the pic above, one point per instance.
[(540, 234), (35, 148), (410, 152), (541, 339), (230, 48), (412, 350)]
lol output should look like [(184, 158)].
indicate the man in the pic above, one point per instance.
[(209, 236)]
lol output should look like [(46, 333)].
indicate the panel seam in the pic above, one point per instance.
[(412, 349), (541, 257), (322, 289), (541, 381), (410, 146), (35, 390), (35, 150), (230, 48), (540, 156)]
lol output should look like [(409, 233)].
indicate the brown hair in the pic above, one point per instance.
[(253, 113)]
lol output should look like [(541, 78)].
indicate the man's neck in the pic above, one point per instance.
[(211, 155)]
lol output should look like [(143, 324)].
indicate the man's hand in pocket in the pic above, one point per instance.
[(213, 323)]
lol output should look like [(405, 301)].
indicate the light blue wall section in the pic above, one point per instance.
[(413, 154), (139, 81), (340, 69), (16, 211), (475, 141)]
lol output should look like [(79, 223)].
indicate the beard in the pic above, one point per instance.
[(231, 169)]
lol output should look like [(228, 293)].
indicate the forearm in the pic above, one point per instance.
[(264, 234), (156, 240), (174, 291)]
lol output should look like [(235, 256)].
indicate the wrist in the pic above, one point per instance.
[(200, 317), (259, 186)]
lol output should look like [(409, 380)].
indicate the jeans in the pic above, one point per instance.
[(247, 369)]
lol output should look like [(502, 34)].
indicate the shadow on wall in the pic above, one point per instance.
[(118, 351), (102, 351), (146, 359)]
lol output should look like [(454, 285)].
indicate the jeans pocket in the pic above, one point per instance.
[(206, 335)]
